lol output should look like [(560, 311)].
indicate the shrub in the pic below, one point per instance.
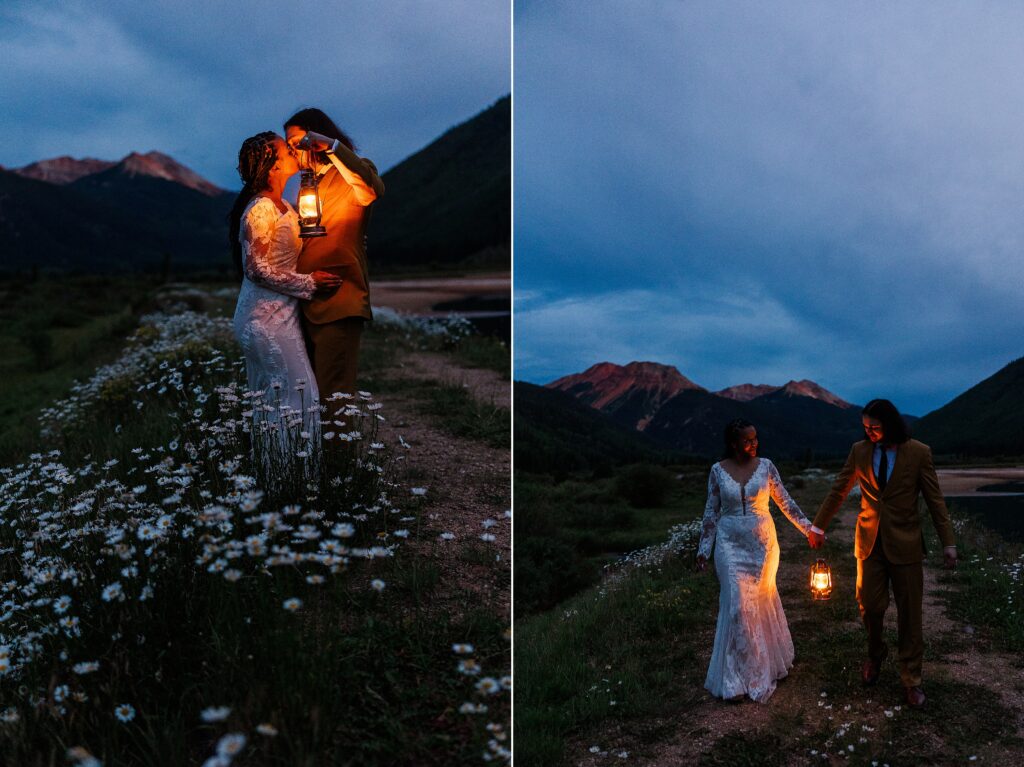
[(644, 486)]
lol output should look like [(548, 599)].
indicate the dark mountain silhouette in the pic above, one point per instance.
[(629, 394), (449, 202), (986, 420), (789, 427), (155, 189), (127, 216), (555, 432), (58, 228)]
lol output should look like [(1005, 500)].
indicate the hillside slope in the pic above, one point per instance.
[(451, 200), (986, 420)]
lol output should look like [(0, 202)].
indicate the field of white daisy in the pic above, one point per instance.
[(168, 599)]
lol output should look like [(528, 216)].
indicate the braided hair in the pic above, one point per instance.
[(255, 159)]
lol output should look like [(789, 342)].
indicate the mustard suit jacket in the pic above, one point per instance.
[(893, 512), (346, 214)]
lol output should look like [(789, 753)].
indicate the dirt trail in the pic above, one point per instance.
[(467, 482), (798, 697), (487, 386)]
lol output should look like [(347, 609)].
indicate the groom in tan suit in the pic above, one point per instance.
[(893, 471), (348, 187)]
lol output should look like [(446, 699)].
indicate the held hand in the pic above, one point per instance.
[(325, 282), (702, 563), (949, 558), (316, 142), (815, 540)]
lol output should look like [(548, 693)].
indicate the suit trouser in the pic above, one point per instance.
[(334, 353), (874, 575)]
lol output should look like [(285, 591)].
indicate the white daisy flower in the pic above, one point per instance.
[(215, 713)]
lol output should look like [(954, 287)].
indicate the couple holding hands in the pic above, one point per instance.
[(753, 648)]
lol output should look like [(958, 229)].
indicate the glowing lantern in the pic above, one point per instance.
[(821, 580), (309, 205)]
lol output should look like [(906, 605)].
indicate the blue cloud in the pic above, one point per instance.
[(193, 78), (856, 176)]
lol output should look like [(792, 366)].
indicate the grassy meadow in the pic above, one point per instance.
[(568, 531), (167, 600), (613, 672)]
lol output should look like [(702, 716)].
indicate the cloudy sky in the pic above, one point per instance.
[(764, 192), (192, 78)]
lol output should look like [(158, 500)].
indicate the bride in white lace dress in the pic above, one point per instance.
[(265, 242), (753, 647)]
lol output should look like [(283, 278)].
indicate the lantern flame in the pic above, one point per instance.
[(307, 204), (821, 580)]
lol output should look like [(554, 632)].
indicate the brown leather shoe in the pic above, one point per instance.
[(915, 696), (869, 671)]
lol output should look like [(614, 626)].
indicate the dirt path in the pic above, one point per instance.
[(468, 485), (487, 386), (830, 713)]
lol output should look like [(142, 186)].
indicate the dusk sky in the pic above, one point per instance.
[(762, 192), (193, 78)]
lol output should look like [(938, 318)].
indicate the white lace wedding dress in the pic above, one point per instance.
[(753, 647), (268, 326)]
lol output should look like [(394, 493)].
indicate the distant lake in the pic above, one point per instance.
[(1002, 513), (484, 299)]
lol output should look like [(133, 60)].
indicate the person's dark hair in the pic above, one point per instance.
[(894, 429), (255, 159), (732, 433), (313, 119)]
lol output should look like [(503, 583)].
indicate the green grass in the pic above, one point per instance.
[(456, 410), (55, 333), (450, 407), (485, 352), (632, 645), (567, 532), (986, 590)]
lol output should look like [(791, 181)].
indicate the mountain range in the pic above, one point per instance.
[(446, 205), (659, 404), (796, 420), (629, 394)]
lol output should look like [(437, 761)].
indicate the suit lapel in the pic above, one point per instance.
[(900, 467), (869, 470)]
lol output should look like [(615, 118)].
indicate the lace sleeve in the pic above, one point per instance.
[(257, 235), (785, 503), (711, 510)]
